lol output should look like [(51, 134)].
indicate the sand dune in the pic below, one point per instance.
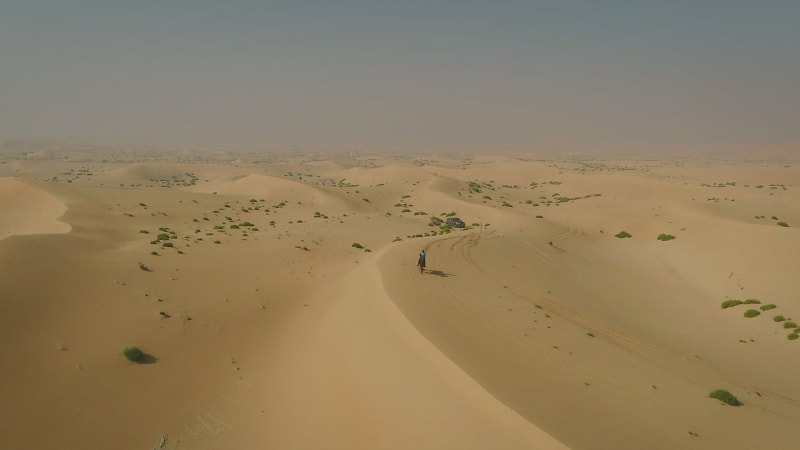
[(28, 210), (278, 305)]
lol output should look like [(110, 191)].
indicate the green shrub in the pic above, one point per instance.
[(779, 318), (783, 224), (731, 303), (167, 244), (725, 397), (750, 313), (133, 353), (752, 301), (357, 245), (789, 324), (144, 231), (792, 336), (665, 237), (622, 235), (768, 307), (163, 237), (145, 268)]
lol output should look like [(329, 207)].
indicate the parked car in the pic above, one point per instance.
[(455, 222)]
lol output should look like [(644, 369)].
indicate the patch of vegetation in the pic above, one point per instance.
[(731, 303), (162, 237), (768, 307), (145, 268), (752, 301), (725, 397), (792, 336), (789, 324), (133, 353), (750, 313), (167, 244), (783, 224), (665, 237), (622, 235), (144, 232), (779, 318), (357, 245)]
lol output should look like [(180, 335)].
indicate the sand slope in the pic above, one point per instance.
[(28, 210)]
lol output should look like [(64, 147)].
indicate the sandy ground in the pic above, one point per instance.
[(286, 310)]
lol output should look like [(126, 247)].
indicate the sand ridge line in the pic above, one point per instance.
[(26, 209)]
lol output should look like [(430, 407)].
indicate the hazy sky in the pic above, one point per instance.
[(403, 74)]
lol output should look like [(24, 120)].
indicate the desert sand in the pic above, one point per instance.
[(277, 301)]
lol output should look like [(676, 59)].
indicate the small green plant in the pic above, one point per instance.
[(789, 324), (768, 307), (731, 303), (622, 235), (145, 268), (665, 237), (357, 245), (154, 253), (783, 224), (167, 244), (750, 313), (133, 353), (779, 318), (792, 336), (144, 231), (163, 237), (725, 397), (752, 301)]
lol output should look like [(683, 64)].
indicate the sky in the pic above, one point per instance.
[(416, 75)]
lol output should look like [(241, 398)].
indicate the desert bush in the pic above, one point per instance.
[(750, 313), (357, 245), (167, 244), (133, 353), (725, 397), (731, 303), (768, 307), (789, 324), (752, 301), (163, 237), (144, 231), (779, 318), (783, 224), (665, 237), (145, 268), (792, 336), (622, 235)]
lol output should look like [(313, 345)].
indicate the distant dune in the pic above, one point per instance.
[(277, 302)]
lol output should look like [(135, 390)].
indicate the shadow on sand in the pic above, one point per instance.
[(147, 358), (439, 273)]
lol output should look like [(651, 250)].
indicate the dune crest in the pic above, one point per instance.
[(25, 209)]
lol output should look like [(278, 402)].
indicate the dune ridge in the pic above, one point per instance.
[(29, 210)]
